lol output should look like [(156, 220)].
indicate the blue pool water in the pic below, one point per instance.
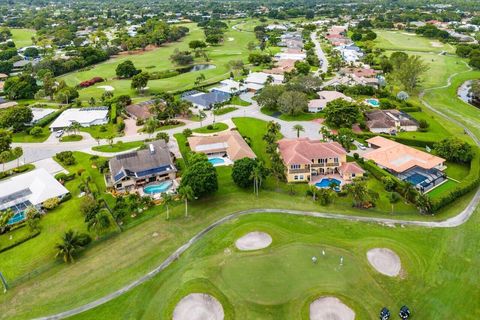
[(158, 188), (217, 161), (325, 182), (416, 178), (18, 217), (373, 102)]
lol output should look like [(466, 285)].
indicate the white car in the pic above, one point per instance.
[(59, 133), (362, 147)]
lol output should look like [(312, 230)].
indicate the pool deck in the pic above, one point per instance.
[(316, 179)]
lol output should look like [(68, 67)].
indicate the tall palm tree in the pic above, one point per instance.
[(273, 127), (4, 157), (298, 128), (313, 190), (17, 153), (202, 115), (167, 201), (186, 193), (69, 246), (5, 216)]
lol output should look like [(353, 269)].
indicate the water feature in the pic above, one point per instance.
[(464, 94), (158, 188), (197, 67)]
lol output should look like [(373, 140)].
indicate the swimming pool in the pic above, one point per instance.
[(373, 102), (416, 178), (216, 161), (18, 217), (325, 183), (158, 188)]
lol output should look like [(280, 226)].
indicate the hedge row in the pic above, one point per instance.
[(469, 183), (52, 116), (20, 241)]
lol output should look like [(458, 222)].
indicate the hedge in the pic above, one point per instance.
[(469, 183), (52, 116), (20, 241)]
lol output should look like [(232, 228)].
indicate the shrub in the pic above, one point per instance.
[(35, 131), (210, 127), (66, 158), (51, 203), (91, 82), (187, 133)]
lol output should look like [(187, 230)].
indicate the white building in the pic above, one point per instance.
[(230, 86), (256, 80), (290, 56), (86, 117), (28, 189), (40, 113)]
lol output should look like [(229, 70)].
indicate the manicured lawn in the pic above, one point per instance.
[(170, 126), (22, 37), (144, 250), (236, 100), (280, 282), (404, 41), (304, 116), (24, 136), (217, 127), (119, 146), (435, 131), (101, 132), (442, 189), (71, 137), (224, 110), (236, 49)]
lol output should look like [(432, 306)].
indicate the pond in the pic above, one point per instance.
[(197, 67), (463, 93)]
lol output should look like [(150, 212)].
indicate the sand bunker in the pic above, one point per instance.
[(253, 241), (385, 261), (436, 44), (230, 39), (330, 308), (198, 306), (106, 88)]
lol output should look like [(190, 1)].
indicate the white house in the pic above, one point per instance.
[(86, 117), (256, 80), (40, 113), (28, 189), (324, 97), (230, 86)]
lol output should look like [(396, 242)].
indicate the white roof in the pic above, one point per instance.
[(290, 56), (35, 186), (40, 113), (227, 86), (261, 78), (211, 146), (84, 116)]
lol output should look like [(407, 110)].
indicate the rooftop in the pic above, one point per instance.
[(399, 157), (84, 116), (35, 187), (230, 142), (303, 150), (156, 158)]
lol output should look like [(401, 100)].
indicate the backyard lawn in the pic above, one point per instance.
[(24, 136)]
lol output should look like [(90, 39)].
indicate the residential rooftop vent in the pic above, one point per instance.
[(152, 148)]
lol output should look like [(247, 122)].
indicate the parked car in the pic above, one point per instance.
[(362, 147), (59, 133)]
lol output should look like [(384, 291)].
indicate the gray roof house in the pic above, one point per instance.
[(132, 170), (207, 100)]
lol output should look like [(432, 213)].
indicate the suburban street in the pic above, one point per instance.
[(33, 152), (320, 54)]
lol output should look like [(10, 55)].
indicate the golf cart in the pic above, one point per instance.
[(404, 312), (384, 314)]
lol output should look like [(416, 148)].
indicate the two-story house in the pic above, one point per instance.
[(129, 171), (305, 159)]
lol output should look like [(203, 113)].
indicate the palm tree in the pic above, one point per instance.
[(70, 244), (98, 221), (150, 126), (424, 204), (5, 216), (313, 190), (186, 193), (273, 127), (75, 126), (4, 157), (325, 133), (17, 153), (167, 201), (393, 198), (298, 128), (202, 115)]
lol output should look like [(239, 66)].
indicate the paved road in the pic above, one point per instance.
[(33, 152), (320, 54)]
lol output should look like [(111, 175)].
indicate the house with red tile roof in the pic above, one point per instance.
[(306, 159)]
